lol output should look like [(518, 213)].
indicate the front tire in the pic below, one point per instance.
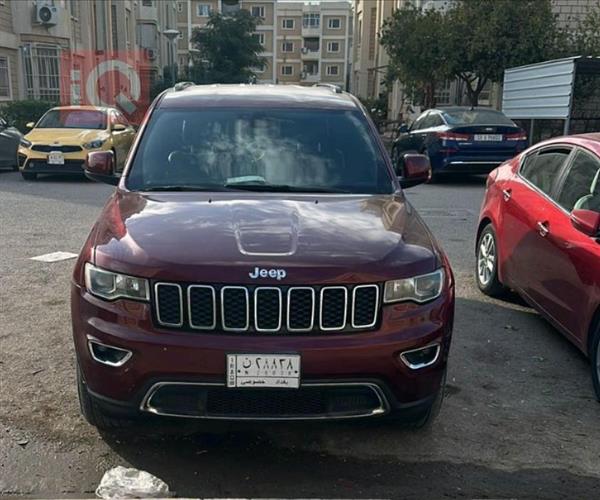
[(92, 413), (486, 271), (29, 176), (595, 361)]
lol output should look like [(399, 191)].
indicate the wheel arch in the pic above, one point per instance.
[(594, 324)]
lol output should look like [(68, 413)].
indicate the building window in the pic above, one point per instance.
[(311, 20), (259, 69), (113, 27), (203, 9), (287, 47), (42, 77), (443, 93), (147, 3), (288, 24), (335, 23), (260, 37), (333, 46), (180, 35), (258, 11), (333, 70), (179, 6), (287, 70), (4, 79)]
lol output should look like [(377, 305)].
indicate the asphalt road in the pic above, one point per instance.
[(519, 419)]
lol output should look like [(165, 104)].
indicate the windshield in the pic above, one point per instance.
[(73, 118), (264, 150), (476, 116)]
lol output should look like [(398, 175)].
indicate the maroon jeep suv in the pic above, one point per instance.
[(258, 260)]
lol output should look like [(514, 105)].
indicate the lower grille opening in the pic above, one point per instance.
[(306, 402)]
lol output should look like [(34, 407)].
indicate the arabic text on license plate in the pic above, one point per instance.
[(488, 137), (56, 158), (263, 370)]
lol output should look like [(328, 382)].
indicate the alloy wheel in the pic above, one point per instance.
[(486, 259)]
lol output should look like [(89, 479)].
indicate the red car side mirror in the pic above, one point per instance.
[(100, 166), (417, 169), (586, 221)]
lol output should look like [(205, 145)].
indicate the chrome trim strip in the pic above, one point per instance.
[(214, 307), (278, 290), (375, 314), (92, 340), (226, 328), (160, 321), (343, 325), (312, 315), (493, 162), (421, 365), (382, 409)]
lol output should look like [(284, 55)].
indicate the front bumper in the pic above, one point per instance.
[(37, 162), (162, 357)]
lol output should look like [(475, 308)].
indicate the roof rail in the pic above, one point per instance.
[(182, 85), (334, 88)]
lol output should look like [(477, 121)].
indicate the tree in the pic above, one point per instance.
[(416, 42), (487, 36), (226, 48)]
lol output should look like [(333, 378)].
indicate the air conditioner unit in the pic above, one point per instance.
[(151, 54), (304, 50), (46, 13)]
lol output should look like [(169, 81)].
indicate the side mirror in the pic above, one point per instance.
[(586, 221), (30, 125), (118, 127), (403, 129), (100, 167), (417, 170)]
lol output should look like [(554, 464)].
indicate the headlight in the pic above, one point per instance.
[(417, 289), (25, 143), (94, 144), (110, 286)]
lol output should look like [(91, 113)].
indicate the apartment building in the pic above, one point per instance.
[(36, 35), (304, 42)]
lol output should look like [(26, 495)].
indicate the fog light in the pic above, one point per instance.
[(108, 355), (421, 357)]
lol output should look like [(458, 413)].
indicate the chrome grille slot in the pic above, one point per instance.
[(169, 304), (267, 309), (333, 308), (202, 307), (300, 309), (365, 304), (235, 305)]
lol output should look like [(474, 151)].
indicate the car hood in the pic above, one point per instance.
[(64, 135), (223, 237)]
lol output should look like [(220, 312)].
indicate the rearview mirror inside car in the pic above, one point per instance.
[(586, 221), (416, 170), (100, 167)]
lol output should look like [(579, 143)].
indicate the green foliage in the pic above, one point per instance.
[(416, 41), (227, 49), (19, 113), (487, 36), (476, 40)]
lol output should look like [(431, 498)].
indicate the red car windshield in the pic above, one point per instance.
[(70, 118)]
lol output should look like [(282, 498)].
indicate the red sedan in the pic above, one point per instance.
[(539, 234)]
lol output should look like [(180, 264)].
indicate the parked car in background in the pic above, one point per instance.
[(539, 234), (258, 260), (9, 143), (62, 138), (460, 140)]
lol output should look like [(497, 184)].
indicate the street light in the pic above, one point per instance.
[(172, 35)]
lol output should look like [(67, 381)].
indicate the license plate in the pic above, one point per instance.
[(488, 137), (263, 370), (56, 158)]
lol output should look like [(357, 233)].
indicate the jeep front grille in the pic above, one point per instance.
[(266, 309)]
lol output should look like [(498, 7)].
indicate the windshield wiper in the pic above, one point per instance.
[(190, 188), (286, 188)]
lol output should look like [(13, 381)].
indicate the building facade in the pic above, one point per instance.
[(35, 35), (303, 42)]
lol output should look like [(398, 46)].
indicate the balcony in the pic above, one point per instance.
[(311, 31), (310, 77), (308, 55), (230, 7)]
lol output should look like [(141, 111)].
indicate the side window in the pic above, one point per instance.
[(436, 120), (543, 168), (418, 124), (428, 122), (581, 188)]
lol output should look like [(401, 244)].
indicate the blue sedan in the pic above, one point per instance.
[(460, 140)]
